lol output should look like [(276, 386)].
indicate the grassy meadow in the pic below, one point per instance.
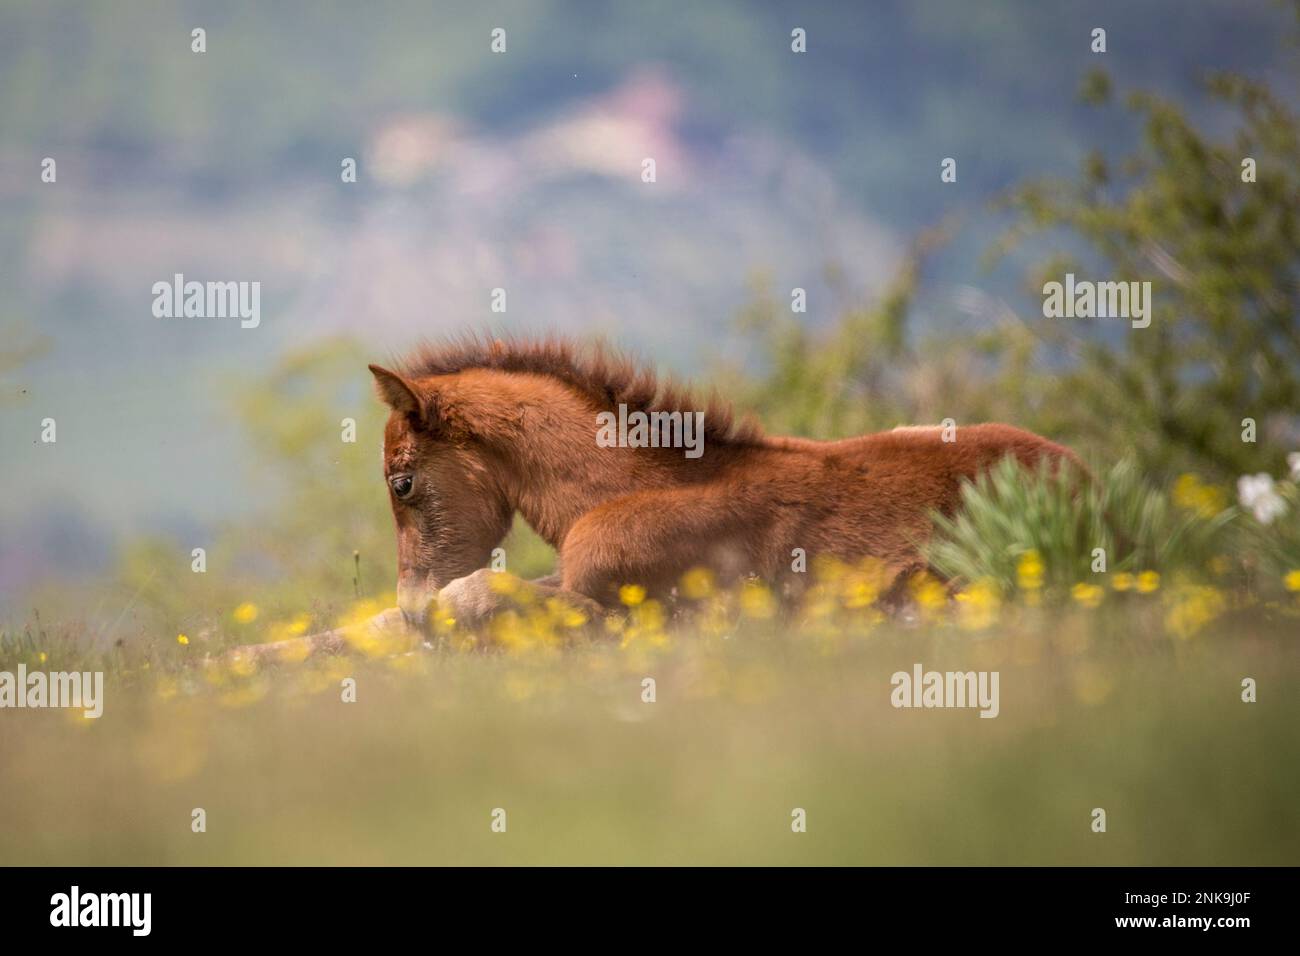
[(1096, 711), (1124, 695)]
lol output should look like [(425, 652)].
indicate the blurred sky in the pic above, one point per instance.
[(479, 170)]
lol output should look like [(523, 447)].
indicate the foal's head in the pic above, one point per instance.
[(445, 489)]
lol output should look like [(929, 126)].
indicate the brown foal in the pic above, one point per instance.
[(633, 482)]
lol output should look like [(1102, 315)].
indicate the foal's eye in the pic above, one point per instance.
[(402, 485)]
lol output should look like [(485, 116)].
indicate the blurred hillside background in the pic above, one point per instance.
[(522, 171)]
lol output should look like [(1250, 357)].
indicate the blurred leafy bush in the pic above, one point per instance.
[(1041, 534)]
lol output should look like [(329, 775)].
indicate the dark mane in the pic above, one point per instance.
[(608, 377)]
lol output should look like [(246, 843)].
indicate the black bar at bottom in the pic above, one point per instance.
[(329, 906)]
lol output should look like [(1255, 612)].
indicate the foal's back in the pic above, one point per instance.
[(872, 495)]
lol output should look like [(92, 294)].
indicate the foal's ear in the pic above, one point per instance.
[(423, 406), (397, 393)]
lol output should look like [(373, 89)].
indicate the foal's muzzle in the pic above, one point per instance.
[(414, 604)]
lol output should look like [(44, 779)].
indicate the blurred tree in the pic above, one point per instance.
[(1222, 254), (869, 370)]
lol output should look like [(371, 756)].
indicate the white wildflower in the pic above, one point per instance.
[(1257, 494)]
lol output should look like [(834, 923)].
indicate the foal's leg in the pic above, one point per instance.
[(475, 598), (651, 538), (389, 623)]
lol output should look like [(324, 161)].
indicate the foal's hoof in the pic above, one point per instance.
[(472, 600), (391, 621)]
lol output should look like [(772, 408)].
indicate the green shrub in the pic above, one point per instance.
[(1039, 530)]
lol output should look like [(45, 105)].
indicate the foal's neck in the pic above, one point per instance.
[(554, 482), (554, 471)]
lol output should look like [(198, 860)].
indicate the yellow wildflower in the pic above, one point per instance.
[(182, 640), (756, 601), (1191, 495), (978, 605), (511, 631), (650, 616), (928, 592), (296, 626), (1029, 571), (1148, 581), (361, 612), (1192, 607), (631, 594), (1123, 581), (443, 621), (860, 593), (503, 583), (697, 584), (1087, 595), (565, 614), (246, 613), (1292, 580), (828, 569)]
